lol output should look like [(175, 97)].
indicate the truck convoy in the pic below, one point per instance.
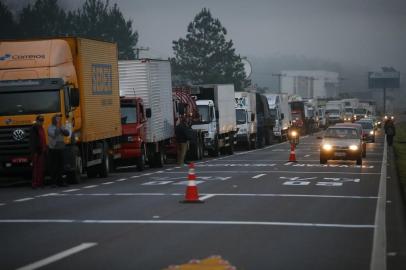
[(246, 112), (216, 105), (150, 81), (280, 112), (74, 77)]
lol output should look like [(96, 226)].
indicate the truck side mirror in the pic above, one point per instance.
[(74, 97), (252, 117), (148, 112), (282, 116)]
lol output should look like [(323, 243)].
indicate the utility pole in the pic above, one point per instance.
[(138, 49)]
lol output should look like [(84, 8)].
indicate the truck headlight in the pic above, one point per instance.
[(327, 147), (371, 132), (353, 147)]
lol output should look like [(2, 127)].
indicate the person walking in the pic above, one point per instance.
[(390, 131), (181, 133), (38, 147), (56, 144)]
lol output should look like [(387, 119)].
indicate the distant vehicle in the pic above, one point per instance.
[(368, 132), (335, 111), (280, 112), (246, 112), (298, 115), (359, 128), (341, 143)]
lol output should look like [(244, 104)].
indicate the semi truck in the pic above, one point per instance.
[(150, 80), (74, 77), (280, 112), (246, 112), (297, 110), (216, 106)]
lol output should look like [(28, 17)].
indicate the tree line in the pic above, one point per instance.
[(203, 56)]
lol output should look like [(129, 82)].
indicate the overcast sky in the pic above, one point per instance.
[(367, 32)]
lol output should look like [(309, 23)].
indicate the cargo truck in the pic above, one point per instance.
[(245, 112), (150, 80), (335, 111), (74, 77), (280, 112), (216, 106), (297, 109)]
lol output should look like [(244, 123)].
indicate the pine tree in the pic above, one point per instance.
[(8, 27), (205, 56)]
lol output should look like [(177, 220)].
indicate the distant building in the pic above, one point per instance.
[(310, 83)]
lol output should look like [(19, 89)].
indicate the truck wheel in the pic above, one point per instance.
[(74, 176), (140, 161), (215, 152), (104, 167)]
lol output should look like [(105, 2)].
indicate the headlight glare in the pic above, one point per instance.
[(353, 147), (371, 132), (327, 147)]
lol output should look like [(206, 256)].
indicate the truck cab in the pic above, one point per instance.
[(207, 122)]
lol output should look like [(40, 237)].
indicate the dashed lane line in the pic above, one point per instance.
[(134, 176), (107, 183), (71, 190), (2, 204), (24, 199), (91, 186), (258, 176), (58, 256), (208, 196)]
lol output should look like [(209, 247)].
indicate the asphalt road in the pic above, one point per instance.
[(260, 212)]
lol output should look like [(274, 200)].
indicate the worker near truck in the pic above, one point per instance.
[(38, 148), (182, 133), (390, 131), (56, 133)]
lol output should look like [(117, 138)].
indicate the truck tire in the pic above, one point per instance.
[(215, 151), (74, 177), (140, 161), (104, 167)]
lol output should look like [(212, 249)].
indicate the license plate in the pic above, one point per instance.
[(19, 160), (339, 154)]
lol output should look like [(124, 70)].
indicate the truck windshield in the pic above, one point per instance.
[(25, 103), (349, 110), (128, 115), (204, 113), (342, 133), (360, 111), (333, 111), (241, 116)]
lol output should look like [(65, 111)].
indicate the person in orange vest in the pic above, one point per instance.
[(38, 148)]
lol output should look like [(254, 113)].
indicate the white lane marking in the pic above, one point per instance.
[(71, 190), (378, 255), (258, 176), (121, 179), (208, 196), (134, 176), (24, 199), (277, 171), (198, 222), (230, 195), (58, 256), (307, 156), (169, 169), (92, 186), (108, 183), (2, 204)]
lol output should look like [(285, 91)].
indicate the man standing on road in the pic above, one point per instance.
[(38, 149), (181, 133), (390, 131), (56, 133)]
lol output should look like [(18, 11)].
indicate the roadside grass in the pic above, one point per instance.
[(400, 153)]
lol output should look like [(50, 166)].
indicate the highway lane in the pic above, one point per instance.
[(260, 212)]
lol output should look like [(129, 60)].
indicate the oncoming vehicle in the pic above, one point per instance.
[(341, 143), (368, 132), (359, 128)]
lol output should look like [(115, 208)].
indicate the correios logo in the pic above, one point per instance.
[(5, 57), (8, 56)]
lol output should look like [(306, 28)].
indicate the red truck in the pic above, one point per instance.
[(298, 115), (132, 150)]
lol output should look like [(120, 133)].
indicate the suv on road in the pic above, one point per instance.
[(341, 143)]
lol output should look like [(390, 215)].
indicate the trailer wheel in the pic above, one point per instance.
[(140, 162), (104, 167), (74, 176)]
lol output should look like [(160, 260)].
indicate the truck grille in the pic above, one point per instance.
[(14, 141)]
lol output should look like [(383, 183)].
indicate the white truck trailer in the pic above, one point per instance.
[(246, 112), (280, 112), (335, 111), (216, 105), (150, 80)]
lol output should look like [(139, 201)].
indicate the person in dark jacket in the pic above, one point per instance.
[(38, 148), (390, 131), (56, 144), (182, 138)]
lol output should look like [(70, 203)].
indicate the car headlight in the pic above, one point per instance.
[(379, 122), (371, 132), (353, 147), (327, 147)]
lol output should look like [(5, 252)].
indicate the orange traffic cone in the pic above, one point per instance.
[(292, 156), (192, 195)]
